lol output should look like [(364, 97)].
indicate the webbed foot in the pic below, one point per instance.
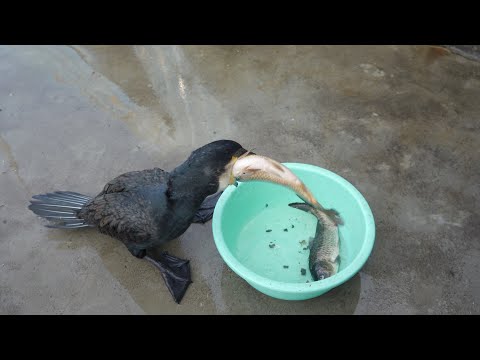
[(175, 273)]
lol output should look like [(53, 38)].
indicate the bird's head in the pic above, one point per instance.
[(214, 163)]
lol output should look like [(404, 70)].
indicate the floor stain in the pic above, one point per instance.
[(13, 166)]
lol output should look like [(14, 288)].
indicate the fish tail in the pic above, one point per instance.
[(334, 215), (61, 208)]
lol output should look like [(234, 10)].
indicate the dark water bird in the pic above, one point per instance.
[(145, 209)]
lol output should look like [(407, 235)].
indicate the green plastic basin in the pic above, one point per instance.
[(272, 261)]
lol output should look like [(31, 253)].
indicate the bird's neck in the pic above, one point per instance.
[(191, 183)]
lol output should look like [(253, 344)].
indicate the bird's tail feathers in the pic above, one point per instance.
[(60, 208)]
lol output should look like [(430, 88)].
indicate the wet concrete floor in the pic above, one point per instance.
[(399, 122)]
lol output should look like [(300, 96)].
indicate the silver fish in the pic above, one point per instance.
[(324, 247)]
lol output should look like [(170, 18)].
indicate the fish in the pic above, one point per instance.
[(253, 167), (324, 258)]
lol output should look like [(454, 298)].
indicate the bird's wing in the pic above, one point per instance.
[(125, 215), (135, 179)]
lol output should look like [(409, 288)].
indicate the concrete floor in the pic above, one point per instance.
[(399, 122)]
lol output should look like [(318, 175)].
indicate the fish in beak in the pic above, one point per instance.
[(232, 179), (250, 167)]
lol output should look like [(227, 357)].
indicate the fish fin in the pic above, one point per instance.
[(278, 167), (301, 206), (249, 169), (334, 215)]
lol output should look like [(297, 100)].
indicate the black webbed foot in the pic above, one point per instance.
[(175, 272), (205, 212)]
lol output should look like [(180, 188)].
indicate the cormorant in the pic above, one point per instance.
[(145, 209)]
